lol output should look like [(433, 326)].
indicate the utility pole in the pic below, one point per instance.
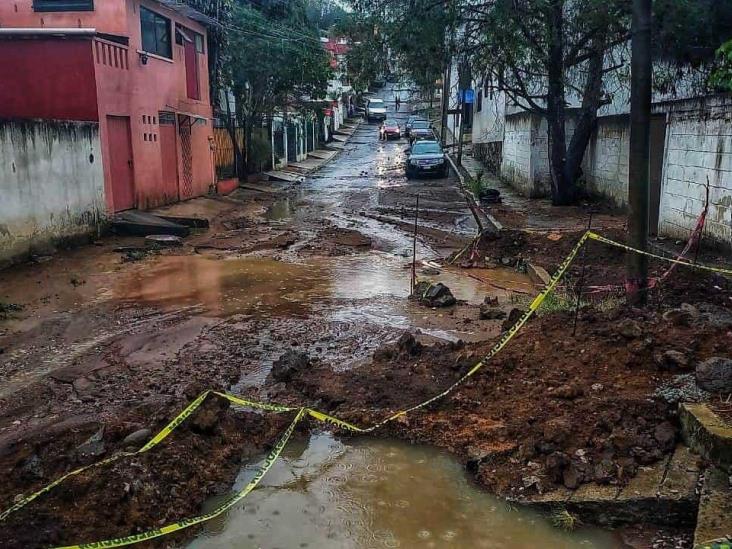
[(445, 100), (636, 282), (464, 83)]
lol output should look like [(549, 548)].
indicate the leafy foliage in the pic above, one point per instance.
[(722, 76), (274, 60)]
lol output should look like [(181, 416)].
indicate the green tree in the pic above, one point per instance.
[(274, 61)]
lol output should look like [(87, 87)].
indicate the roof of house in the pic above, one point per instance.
[(336, 47), (185, 10)]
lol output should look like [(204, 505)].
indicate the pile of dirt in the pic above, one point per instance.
[(549, 410), (604, 272), (138, 493), (335, 241)]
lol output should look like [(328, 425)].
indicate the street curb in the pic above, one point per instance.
[(485, 221)]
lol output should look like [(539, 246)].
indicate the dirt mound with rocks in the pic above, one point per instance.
[(550, 410)]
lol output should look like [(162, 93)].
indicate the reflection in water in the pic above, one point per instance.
[(375, 493), (224, 287), (255, 285)]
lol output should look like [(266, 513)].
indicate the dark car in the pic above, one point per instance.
[(390, 128), (411, 120), (426, 157), (421, 129)]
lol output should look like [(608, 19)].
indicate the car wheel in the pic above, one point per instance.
[(409, 173)]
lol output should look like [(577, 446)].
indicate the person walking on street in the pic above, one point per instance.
[(398, 101)]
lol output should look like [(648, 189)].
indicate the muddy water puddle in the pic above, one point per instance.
[(255, 284), (371, 493)]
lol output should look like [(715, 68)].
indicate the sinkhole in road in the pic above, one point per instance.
[(371, 493)]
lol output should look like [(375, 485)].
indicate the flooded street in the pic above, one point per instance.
[(374, 493), (106, 344)]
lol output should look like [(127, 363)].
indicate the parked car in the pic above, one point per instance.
[(411, 120), (389, 128), (375, 109), (426, 157), (421, 129)]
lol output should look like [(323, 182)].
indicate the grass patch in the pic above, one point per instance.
[(563, 519), (476, 184), (563, 301)]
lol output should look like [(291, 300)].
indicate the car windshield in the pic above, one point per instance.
[(390, 123), (426, 147), (421, 125), (376, 102)]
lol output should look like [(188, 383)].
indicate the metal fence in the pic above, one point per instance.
[(226, 166)]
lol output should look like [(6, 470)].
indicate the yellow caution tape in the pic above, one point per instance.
[(595, 236), (187, 523), (319, 416)]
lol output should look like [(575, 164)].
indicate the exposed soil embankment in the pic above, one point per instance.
[(549, 410)]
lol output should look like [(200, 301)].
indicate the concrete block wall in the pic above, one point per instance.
[(525, 163), (699, 149), (516, 167), (51, 185), (605, 165)]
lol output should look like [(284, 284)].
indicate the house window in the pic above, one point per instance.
[(63, 5), (156, 33)]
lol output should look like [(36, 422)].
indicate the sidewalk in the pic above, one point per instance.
[(533, 214), (295, 172)]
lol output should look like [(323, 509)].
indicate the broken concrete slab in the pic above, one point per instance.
[(664, 493), (707, 434), (322, 154), (714, 521), (282, 175), (137, 223), (537, 274)]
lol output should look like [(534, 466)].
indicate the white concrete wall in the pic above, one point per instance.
[(517, 152), (489, 123), (525, 163), (51, 185), (605, 165), (698, 149)]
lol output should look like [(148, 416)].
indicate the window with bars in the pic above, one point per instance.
[(156, 33), (63, 5)]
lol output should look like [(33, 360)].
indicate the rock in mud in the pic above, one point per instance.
[(209, 415), (630, 329), (685, 315), (138, 438), (289, 364), (557, 430), (555, 464), (489, 312), (568, 392), (665, 435), (407, 345), (513, 317), (671, 360), (94, 445), (32, 468), (715, 375), (434, 295)]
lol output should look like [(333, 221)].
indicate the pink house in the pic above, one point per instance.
[(137, 67)]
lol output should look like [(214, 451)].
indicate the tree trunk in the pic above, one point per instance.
[(562, 191), (587, 120)]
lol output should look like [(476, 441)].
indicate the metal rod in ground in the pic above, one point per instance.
[(581, 285), (700, 236), (413, 285)]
